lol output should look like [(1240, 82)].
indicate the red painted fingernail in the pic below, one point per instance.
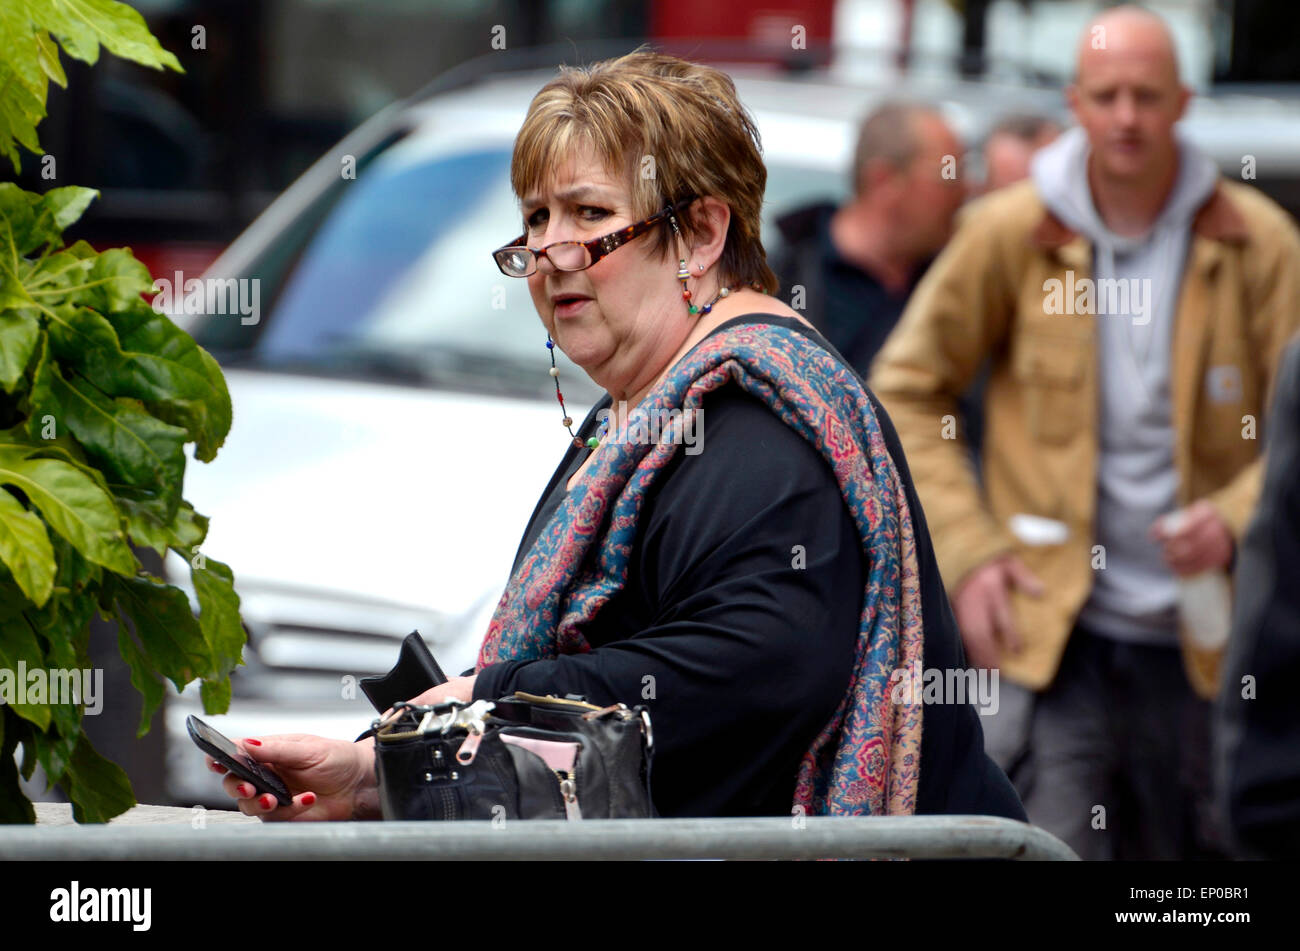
[(253, 742), (217, 768), (266, 801), (245, 790), (309, 799)]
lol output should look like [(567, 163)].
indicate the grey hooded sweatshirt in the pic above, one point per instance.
[(1137, 281)]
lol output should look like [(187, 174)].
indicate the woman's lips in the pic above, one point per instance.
[(571, 306)]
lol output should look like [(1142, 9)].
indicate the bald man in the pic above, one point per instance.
[(1133, 306)]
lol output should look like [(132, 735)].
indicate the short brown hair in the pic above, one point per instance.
[(685, 116), (889, 134)]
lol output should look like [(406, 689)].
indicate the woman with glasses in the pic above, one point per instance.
[(731, 538)]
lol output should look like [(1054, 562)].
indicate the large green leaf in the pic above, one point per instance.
[(215, 695), (21, 109), (177, 379), (99, 790), (82, 337), (48, 57), (54, 751), (81, 26), (22, 50), (19, 646), (59, 447), (62, 626), (144, 677), (19, 233), (166, 628), (64, 206), (58, 274), (129, 445), (119, 280), (219, 613), (25, 549), (73, 505), (148, 527), (141, 354), (19, 333)]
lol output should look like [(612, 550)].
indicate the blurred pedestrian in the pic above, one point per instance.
[(1100, 419), (1007, 151), (1011, 145), (1257, 724), (851, 269)]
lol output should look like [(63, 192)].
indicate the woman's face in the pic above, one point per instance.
[(628, 317)]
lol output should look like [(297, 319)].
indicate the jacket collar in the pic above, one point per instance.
[(1218, 220)]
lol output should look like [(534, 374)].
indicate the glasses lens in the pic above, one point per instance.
[(515, 262), (569, 256)]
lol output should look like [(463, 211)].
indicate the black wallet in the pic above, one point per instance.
[(415, 672)]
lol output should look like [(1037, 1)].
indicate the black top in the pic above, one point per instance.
[(738, 622), (851, 308)]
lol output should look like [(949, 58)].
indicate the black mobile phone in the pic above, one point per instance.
[(240, 764)]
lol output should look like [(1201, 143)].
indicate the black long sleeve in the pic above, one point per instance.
[(740, 645)]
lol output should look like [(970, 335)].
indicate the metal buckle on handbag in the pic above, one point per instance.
[(455, 713), (470, 717)]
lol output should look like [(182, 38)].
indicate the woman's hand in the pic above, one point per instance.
[(330, 779), (458, 688)]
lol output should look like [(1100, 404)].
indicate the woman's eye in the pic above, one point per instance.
[(592, 213)]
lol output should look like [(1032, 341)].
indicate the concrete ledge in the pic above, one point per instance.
[(171, 837), (60, 814)]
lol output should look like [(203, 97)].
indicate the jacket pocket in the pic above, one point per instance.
[(1050, 370)]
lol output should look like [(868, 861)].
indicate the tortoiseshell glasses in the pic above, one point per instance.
[(516, 259)]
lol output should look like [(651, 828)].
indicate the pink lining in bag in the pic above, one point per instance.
[(554, 753)]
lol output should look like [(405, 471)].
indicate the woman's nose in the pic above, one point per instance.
[(544, 265)]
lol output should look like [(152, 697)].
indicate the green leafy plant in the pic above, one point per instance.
[(99, 395)]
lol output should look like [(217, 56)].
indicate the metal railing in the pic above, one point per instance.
[(885, 837)]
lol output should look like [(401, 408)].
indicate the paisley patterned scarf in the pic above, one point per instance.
[(866, 760)]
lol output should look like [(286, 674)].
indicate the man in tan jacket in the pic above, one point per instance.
[(1132, 306)]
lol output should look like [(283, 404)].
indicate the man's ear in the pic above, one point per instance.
[(879, 175), (710, 217), (1184, 97)]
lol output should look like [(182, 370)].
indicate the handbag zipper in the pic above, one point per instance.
[(569, 791)]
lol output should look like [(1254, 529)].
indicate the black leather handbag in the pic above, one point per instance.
[(518, 757)]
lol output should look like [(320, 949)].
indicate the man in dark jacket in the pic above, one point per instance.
[(851, 269), (1257, 715)]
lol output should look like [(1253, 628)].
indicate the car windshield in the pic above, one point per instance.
[(398, 281)]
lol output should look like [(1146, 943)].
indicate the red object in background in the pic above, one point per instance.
[(769, 25), (191, 259), (175, 262)]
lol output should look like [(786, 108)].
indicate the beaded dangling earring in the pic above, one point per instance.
[(683, 275)]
